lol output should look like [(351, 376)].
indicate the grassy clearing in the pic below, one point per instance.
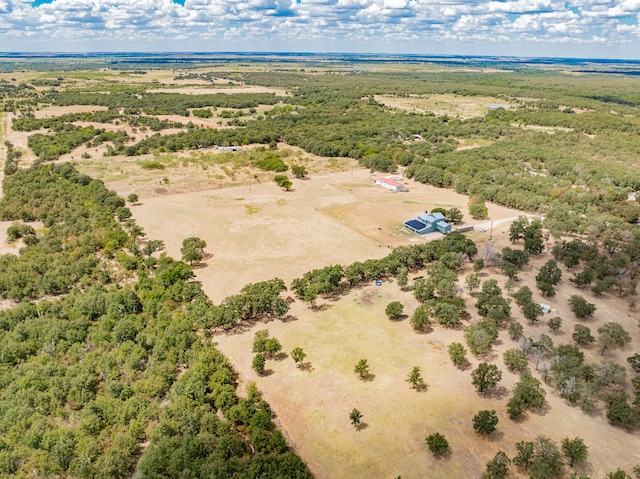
[(448, 104)]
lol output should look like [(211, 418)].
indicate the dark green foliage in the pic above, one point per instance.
[(634, 362), (575, 450), (582, 334), (581, 307), (485, 376), (258, 363), (485, 422), (612, 336), (527, 394), (192, 249), (299, 171), (458, 354), (86, 373), (555, 323), (437, 443), (515, 330), (491, 303), (498, 467), (420, 318), (548, 277), (355, 417), (271, 163), (515, 360), (394, 309), (362, 369), (298, 355), (541, 458), (618, 474), (533, 238), (481, 336), (415, 378)]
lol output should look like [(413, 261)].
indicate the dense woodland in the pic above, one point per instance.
[(105, 363), (85, 372)]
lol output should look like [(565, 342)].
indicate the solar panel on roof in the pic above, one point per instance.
[(415, 224)]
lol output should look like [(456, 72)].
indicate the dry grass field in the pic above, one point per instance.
[(446, 104), (312, 406)]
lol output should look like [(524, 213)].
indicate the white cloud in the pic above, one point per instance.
[(420, 26)]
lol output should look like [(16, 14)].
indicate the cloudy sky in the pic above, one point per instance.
[(574, 28)]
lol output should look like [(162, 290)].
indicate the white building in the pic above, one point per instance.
[(390, 184)]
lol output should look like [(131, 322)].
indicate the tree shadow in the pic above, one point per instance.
[(281, 356), (361, 425), (497, 392), (308, 367), (421, 387), (367, 377), (287, 318), (399, 318), (266, 373), (463, 366)]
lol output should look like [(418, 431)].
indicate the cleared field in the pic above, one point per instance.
[(312, 406), (452, 105)]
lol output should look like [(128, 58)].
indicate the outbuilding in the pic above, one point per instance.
[(391, 185)]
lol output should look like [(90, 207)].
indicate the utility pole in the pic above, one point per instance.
[(491, 231)]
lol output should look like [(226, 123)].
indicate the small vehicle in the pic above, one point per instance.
[(482, 230)]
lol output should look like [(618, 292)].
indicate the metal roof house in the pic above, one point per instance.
[(428, 223), (390, 184)]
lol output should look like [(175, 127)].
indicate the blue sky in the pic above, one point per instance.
[(589, 28)]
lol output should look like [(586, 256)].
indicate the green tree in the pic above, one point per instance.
[(618, 474), (415, 378), (581, 307), (517, 228), (258, 363), (437, 443), (458, 354), (485, 422), (575, 450), (192, 250), (532, 311), (420, 318), (402, 277), (515, 330), (283, 182), (555, 323), (132, 198), (272, 347), (260, 339), (298, 355), (152, 246), (355, 417), (394, 309), (485, 376), (612, 336), (515, 360), (472, 282), (362, 369), (498, 467), (634, 362), (582, 334), (299, 171), (453, 215), (478, 210), (527, 393), (548, 277), (533, 243), (478, 264)]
